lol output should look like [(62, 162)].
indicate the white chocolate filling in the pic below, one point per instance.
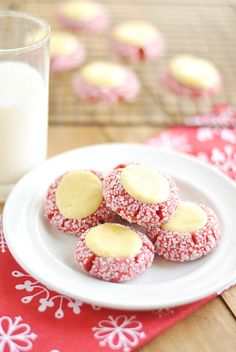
[(63, 43), (188, 217), (136, 33), (113, 240), (194, 71), (80, 10), (145, 184), (104, 74), (79, 194)]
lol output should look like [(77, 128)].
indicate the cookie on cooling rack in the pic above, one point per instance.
[(86, 16), (66, 51), (137, 40), (101, 81), (191, 76), (75, 202), (114, 252), (140, 194), (192, 232)]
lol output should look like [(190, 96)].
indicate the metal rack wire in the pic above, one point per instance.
[(205, 30)]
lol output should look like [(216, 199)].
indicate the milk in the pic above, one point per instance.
[(23, 121)]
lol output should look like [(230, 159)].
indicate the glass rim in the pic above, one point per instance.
[(37, 44)]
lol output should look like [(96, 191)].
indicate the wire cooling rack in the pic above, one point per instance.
[(188, 26)]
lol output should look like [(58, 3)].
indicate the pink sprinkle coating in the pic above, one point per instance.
[(60, 63), (132, 52), (132, 210), (74, 226), (95, 25), (126, 92), (186, 246), (180, 89), (114, 269)]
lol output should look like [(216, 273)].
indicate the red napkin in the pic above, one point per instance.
[(34, 318), (214, 145)]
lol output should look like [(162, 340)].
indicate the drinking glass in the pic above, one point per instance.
[(24, 74)]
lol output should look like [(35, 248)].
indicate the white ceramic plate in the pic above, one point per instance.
[(48, 255)]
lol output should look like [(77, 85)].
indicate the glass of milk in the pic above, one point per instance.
[(24, 70)]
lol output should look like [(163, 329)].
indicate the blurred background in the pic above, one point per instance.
[(206, 28)]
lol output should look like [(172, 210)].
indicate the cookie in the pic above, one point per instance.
[(192, 76), (66, 51), (137, 40), (86, 16), (106, 82), (140, 194), (192, 232), (75, 202), (114, 252)]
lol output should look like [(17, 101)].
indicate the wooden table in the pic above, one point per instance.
[(74, 124)]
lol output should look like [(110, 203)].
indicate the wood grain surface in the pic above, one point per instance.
[(207, 28)]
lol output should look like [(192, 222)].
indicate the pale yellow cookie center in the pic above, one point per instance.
[(81, 10), (136, 33), (145, 184), (79, 194), (193, 71), (188, 217), (103, 74), (113, 240), (63, 43)]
